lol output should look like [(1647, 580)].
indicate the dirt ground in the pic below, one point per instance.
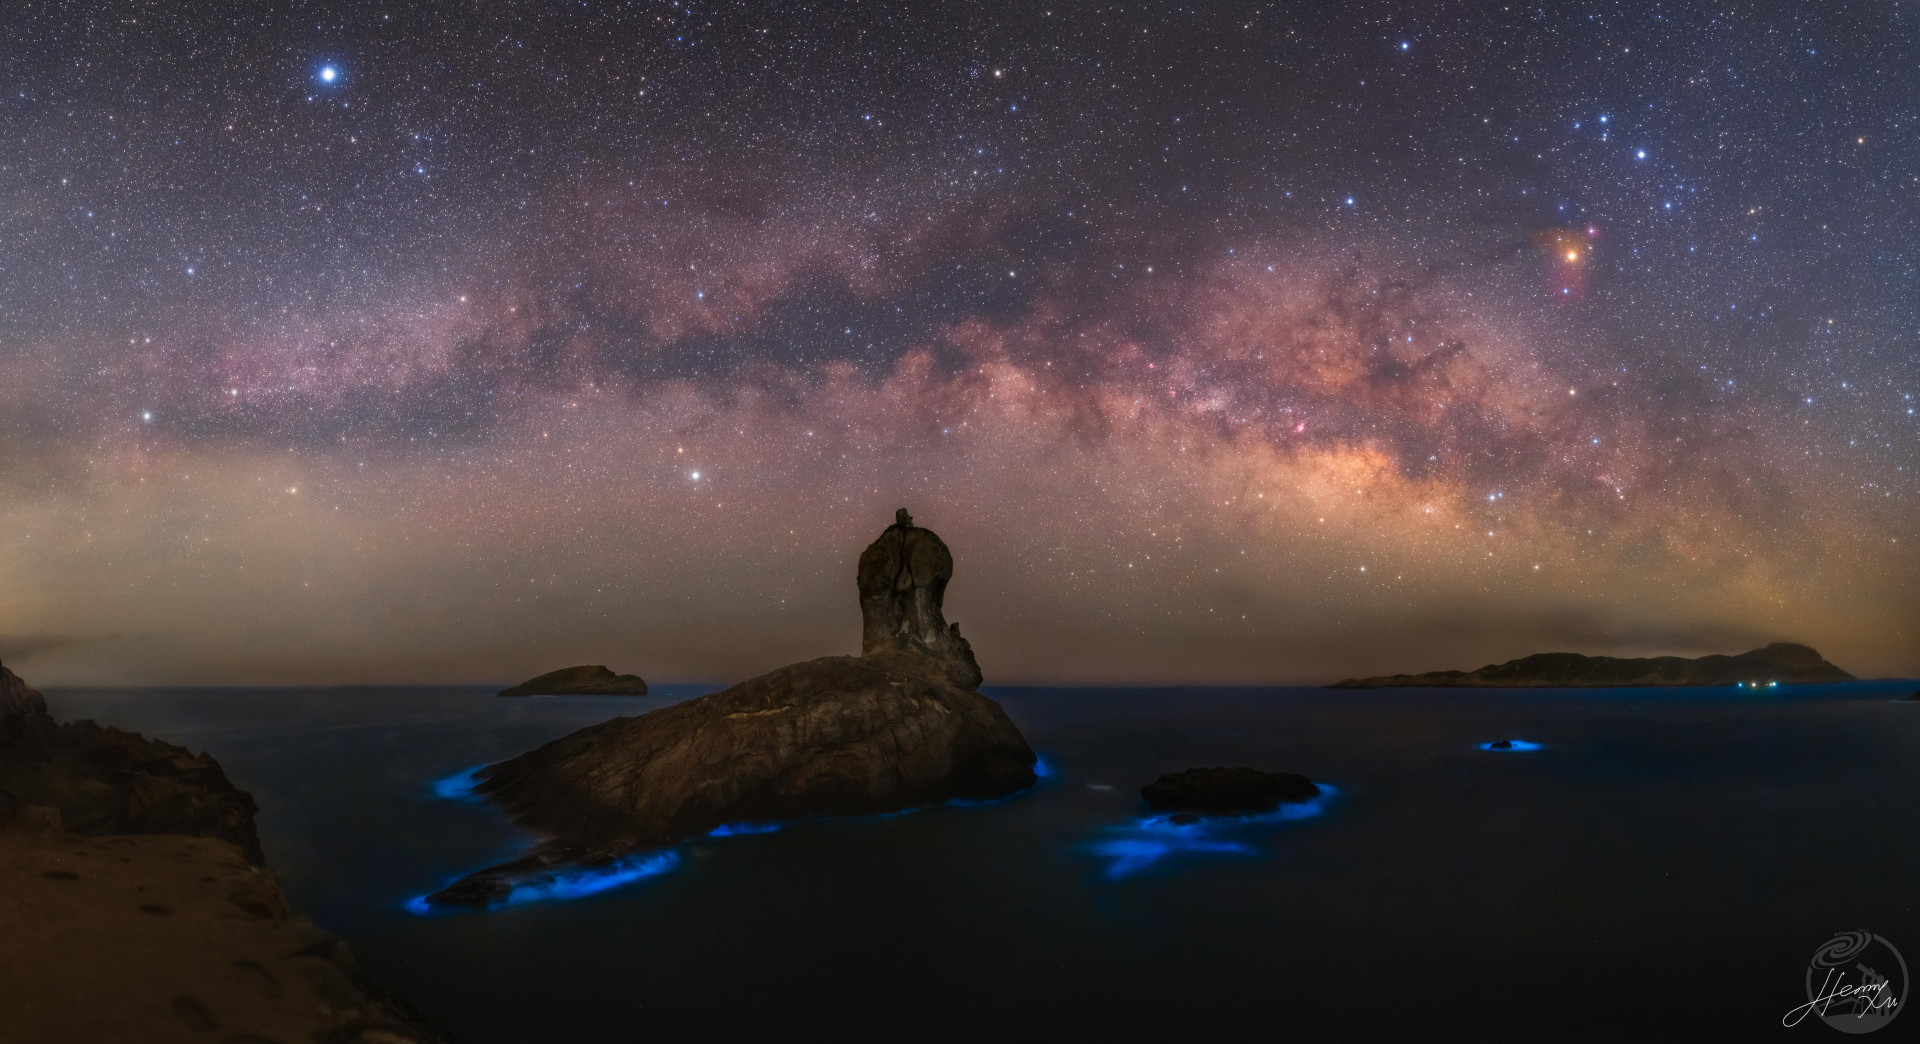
[(162, 938)]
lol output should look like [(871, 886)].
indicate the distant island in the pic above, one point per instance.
[(580, 681), (1781, 662)]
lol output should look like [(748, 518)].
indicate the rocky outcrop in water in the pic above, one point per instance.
[(1782, 662), (899, 726), (1226, 791), (580, 681)]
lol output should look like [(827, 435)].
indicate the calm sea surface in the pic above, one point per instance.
[(1662, 868)]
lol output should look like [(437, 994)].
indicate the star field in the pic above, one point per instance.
[(1222, 342)]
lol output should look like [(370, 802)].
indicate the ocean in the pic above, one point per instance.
[(1662, 865)]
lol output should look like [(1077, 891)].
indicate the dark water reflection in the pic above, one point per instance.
[(1661, 869)]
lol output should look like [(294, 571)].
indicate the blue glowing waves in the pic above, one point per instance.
[(459, 786), (1503, 746), (733, 829), (573, 884), (584, 881), (1041, 769), (1139, 845)]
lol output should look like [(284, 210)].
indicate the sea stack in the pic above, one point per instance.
[(901, 725)]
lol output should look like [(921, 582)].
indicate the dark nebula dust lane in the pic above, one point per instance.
[(1227, 342)]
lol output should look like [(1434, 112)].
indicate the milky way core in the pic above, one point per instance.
[(1222, 343)]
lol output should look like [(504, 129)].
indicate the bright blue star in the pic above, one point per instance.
[(1642, 154), (328, 74)]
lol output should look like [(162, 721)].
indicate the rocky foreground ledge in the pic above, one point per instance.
[(1781, 662), (899, 726), (134, 905)]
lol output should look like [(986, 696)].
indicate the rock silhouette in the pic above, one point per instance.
[(903, 581), (580, 681), (899, 726), (1226, 791), (1782, 662)]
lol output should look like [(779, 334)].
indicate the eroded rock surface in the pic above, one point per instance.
[(903, 581), (90, 779), (1782, 662), (897, 727), (580, 681)]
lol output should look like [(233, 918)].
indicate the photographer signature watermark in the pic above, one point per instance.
[(1856, 983)]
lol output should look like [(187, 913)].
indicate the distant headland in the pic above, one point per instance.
[(1781, 662)]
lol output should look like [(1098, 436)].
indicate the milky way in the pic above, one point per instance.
[(1226, 342)]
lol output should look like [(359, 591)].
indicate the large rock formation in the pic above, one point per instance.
[(92, 780), (903, 581), (899, 726), (580, 681), (1782, 662)]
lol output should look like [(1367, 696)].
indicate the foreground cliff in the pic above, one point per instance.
[(1781, 662), (134, 906), (899, 726), (92, 780)]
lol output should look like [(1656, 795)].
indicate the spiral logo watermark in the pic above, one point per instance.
[(1856, 983)]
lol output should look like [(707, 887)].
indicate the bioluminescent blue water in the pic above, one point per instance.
[(573, 884), (730, 829), (1141, 844), (1711, 837), (459, 786), (1511, 745)]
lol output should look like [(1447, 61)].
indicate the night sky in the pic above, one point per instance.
[(1222, 342)]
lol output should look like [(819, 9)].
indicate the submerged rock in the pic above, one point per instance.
[(1226, 791), (1782, 662), (1915, 696), (896, 727), (580, 681), (1500, 745)]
